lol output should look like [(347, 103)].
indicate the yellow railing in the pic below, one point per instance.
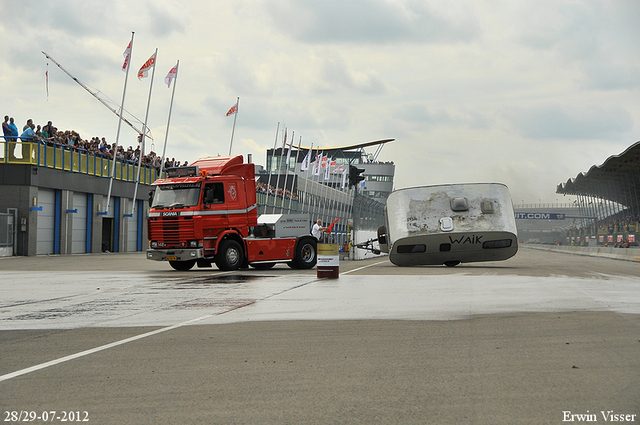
[(64, 158)]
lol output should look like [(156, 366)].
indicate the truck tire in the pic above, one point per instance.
[(229, 256), (182, 266), (306, 253)]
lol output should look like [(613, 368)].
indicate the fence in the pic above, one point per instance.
[(66, 158)]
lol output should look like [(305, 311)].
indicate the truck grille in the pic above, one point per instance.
[(171, 231)]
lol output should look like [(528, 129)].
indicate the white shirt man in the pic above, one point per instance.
[(317, 229)]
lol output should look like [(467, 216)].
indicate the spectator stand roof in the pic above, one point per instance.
[(616, 180)]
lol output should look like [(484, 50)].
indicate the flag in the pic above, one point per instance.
[(127, 57), (46, 79), (338, 169), (331, 225), (344, 178), (233, 110), (316, 167), (146, 67), (171, 75), (327, 172), (306, 160)]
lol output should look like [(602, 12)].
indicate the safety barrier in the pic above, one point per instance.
[(627, 254)]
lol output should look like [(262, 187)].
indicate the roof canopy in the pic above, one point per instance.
[(617, 179), (351, 147)]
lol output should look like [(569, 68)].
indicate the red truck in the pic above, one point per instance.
[(206, 213)]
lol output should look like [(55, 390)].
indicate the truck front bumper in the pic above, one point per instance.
[(175, 254)]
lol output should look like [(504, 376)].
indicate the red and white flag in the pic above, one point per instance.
[(233, 110), (146, 67), (127, 57), (171, 75)]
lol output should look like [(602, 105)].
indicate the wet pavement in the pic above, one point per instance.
[(129, 342), (65, 300)]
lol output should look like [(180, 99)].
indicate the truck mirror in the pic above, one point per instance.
[(151, 193)]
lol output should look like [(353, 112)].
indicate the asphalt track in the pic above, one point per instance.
[(543, 338)]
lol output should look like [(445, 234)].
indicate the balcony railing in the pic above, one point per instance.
[(62, 157)]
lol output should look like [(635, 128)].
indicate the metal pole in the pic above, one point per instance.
[(166, 135), (113, 165), (153, 73)]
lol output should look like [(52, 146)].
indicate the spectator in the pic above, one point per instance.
[(48, 130), (6, 131), (14, 130), (28, 124), (28, 135)]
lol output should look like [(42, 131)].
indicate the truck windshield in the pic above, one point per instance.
[(176, 195)]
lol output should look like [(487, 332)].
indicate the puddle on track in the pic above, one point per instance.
[(226, 279)]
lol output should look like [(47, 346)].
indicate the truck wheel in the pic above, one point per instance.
[(306, 251), (229, 256), (451, 263), (182, 266)]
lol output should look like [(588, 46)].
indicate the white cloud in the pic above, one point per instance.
[(472, 91), (374, 21)]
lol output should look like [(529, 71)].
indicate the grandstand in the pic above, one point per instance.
[(53, 201), (53, 197), (608, 195)]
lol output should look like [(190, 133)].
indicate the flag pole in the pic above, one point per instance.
[(270, 166), (144, 133), (234, 124), (113, 164), (287, 169), (284, 143), (294, 174), (306, 177), (166, 136)]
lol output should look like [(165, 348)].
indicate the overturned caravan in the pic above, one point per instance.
[(449, 224)]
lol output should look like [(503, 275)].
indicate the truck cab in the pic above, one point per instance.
[(207, 213)]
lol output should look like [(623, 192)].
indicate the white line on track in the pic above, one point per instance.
[(97, 349), (144, 335), (364, 267), (141, 336)]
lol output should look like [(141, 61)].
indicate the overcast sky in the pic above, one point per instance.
[(525, 93)]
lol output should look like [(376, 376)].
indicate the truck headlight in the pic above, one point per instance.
[(153, 244), (195, 244)]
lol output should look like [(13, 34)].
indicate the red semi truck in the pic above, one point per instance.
[(206, 213)]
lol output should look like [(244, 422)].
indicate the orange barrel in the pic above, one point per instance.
[(328, 261)]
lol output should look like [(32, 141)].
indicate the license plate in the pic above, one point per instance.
[(172, 258)]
